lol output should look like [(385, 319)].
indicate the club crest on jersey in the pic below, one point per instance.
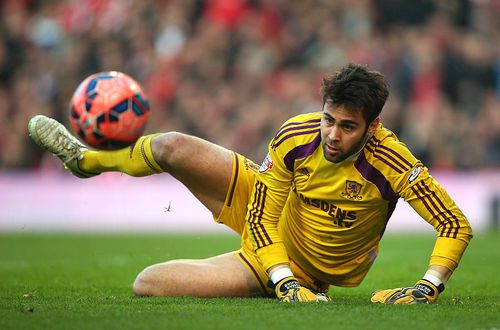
[(352, 190), (266, 165), (415, 173)]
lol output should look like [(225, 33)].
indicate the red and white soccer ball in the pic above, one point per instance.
[(109, 110)]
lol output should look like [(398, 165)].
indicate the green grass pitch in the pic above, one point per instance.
[(83, 281)]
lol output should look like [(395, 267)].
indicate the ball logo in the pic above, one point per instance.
[(415, 173), (266, 165)]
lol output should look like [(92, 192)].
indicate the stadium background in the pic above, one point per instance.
[(232, 71)]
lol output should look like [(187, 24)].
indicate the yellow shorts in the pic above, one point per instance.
[(233, 215)]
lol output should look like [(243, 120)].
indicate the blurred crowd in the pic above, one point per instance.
[(231, 71)]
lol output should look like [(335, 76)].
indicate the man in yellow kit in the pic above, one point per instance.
[(310, 216)]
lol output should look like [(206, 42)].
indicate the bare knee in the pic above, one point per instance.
[(169, 148), (157, 280), (163, 279), (142, 284)]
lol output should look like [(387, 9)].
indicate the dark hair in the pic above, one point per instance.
[(356, 88)]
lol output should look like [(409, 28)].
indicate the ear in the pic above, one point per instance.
[(373, 125)]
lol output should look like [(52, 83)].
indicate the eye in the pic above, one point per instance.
[(328, 120), (348, 128)]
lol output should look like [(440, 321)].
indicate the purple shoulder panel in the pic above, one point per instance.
[(301, 151), (370, 173)]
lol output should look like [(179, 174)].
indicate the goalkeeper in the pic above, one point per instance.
[(310, 217)]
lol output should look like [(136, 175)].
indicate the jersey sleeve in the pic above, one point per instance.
[(272, 187), (431, 201), (269, 196)]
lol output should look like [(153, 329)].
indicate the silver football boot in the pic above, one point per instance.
[(52, 136)]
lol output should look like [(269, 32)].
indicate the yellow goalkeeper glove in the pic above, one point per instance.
[(289, 290), (423, 292)]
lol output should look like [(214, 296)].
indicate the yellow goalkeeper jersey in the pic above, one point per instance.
[(329, 217)]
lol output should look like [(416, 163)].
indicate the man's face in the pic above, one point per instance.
[(343, 132)]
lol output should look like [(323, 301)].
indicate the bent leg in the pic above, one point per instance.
[(220, 276), (203, 167)]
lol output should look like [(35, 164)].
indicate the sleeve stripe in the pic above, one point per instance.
[(404, 160), (253, 230), (439, 213), (295, 128), (377, 148), (255, 216), (450, 221), (276, 144), (376, 155), (431, 211), (455, 227), (264, 196), (286, 128)]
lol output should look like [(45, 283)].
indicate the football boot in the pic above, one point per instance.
[(52, 136)]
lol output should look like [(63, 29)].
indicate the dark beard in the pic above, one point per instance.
[(354, 150)]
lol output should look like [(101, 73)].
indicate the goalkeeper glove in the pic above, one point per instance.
[(423, 292), (289, 290)]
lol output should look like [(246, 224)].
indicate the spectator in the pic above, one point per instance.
[(232, 71)]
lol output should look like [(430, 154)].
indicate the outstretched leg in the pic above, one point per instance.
[(203, 167)]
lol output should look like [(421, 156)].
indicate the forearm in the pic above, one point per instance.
[(434, 205), (448, 252), (445, 258)]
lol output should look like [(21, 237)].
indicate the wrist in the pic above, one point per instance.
[(435, 278), (278, 273), (429, 289)]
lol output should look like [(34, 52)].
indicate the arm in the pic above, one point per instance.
[(269, 196), (434, 205), (270, 193)]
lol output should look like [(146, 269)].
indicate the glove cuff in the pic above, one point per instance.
[(429, 288), (286, 284)]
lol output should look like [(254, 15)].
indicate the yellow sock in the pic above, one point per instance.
[(136, 160)]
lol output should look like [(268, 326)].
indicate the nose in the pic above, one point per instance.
[(334, 133)]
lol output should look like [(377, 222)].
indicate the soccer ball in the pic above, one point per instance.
[(109, 110)]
